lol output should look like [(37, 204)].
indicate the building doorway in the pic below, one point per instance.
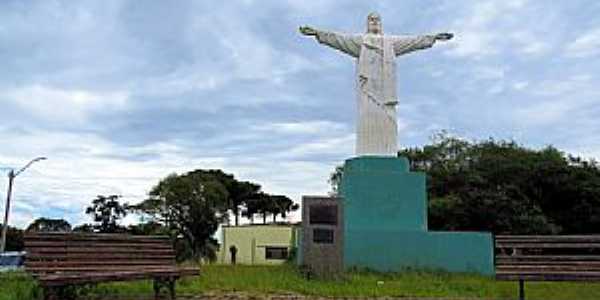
[(233, 252)]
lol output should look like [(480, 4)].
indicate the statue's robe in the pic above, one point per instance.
[(377, 128)]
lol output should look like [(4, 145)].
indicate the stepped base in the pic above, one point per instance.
[(385, 228)]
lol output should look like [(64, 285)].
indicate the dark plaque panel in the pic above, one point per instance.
[(323, 215), (323, 236)]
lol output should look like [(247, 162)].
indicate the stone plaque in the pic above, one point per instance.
[(322, 235)]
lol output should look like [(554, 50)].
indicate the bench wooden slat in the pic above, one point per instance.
[(536, 238), (548, 277), (59, 280), (42, 244), (547, 245), (558, 268), (99, 256), (549, 263), (40, 251), (72, 263), (549, 257), (542, 272), (92, 236), (92, 269)]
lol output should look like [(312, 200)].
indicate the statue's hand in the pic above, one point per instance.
[(306, 30), (444, 36)]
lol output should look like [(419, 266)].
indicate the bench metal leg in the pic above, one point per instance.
[(50, 293), (172, 288), (60, 293), (521, 289), (168, 283), (156, 285)]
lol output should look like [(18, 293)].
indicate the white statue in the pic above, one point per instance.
[(377, 129)]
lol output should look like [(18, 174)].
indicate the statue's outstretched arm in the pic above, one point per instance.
[(403, 45), (349, 44)]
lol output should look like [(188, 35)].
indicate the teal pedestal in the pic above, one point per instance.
[(385, 228)]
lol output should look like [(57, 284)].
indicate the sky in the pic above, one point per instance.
[(119, 94)]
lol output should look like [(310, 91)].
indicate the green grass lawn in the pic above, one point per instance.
[(285, 279)]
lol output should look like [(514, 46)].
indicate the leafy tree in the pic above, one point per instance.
[(238, 191), (148, 228), (84, 228), (107, 211), (335, 180), (190, 206), (265, 205), (49, 225), (282, 205), (251, 208), (257, 205), (239, 194)]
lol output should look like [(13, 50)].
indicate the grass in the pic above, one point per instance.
[(17, 286), (256, 280)]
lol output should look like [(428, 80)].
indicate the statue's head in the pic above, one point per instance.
[(374, 23)]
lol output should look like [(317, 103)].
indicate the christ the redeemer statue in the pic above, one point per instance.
[(377, 129)]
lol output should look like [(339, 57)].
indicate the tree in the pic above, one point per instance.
[(265, 205), (239, 194), (190, 206), (282, 205), (238, 191), (107, 211), (87, 228), (259, 204), (335, 179), (148, 228), (49, 225)]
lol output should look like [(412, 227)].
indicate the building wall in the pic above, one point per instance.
[(252, 242)]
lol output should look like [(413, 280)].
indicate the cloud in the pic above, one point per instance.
[(70, 105), (585, 45), (476, 36), (503, 27), (314, 127)]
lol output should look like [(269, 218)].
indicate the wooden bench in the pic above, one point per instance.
[(60, 261), (547, 258)]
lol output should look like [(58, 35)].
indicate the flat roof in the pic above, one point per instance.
[(264, 225)]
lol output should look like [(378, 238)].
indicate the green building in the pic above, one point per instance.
[(263, 244)]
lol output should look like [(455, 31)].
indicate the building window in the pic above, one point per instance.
[(323, 214), (322, 236), (276, 253)]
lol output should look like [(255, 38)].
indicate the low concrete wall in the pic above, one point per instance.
[(467, 252)]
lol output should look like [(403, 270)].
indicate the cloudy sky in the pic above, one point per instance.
[(118, 94)]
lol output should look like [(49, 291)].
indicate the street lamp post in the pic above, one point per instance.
[(11, 178)]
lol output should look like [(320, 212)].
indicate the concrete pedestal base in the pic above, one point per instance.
[(385, 228)]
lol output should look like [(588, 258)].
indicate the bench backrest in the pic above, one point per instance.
[(548, 258), (73, 253)]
